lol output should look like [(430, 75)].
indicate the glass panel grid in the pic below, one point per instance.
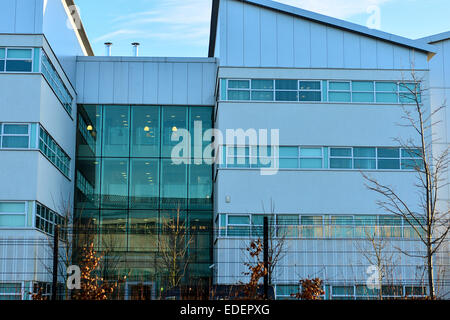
[(15, 136), (54, 152), (56, 83)]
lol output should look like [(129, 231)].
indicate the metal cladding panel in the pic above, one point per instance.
[(352, 50), (252, 39), (368, 53), (302, 43), (235, 13), (92, 73), (385, 55), (285, 43), (268, 38), (150, 82), (130, 80), (106, 82), (25, 16), (254, 36), (180, 83), (165, 77), (195, 83), (335, 47), (120, 82), (136, 82)]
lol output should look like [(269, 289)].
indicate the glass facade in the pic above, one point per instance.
[(128, 187)]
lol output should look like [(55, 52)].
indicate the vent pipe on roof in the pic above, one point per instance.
[(135, 48), (108, 48)]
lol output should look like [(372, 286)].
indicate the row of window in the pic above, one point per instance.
[(16, 60), (23, 136), (55, 81), (328, 226), (319, 91), (54, 152), (13, 214), (47, 220), (358, 292), (35, 60), (358, 158)]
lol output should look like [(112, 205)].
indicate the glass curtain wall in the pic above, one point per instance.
[(129, 190)]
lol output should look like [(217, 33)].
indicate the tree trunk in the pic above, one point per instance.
[(430, 272)]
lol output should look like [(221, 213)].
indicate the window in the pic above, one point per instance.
[(238, 89), (310, 158), (272, 90), (289, 157), (10, 291), (364, 158), (411, 159), (362, 91), (342, 292), (284, 291), (262, 90), (12, 214), (54, 152), (2, 59), (238, 225), (286, 90), (342, 226), (339, 91), (312, 226), (56, 83), (310, 91), (15, 136), (287, 225), (16, 60), (47, 220), (386, 92), (388, 158), (341, 158)]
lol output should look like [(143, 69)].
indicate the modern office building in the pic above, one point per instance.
[(92, 139)]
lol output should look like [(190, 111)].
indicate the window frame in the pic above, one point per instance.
[(6, 59), (2, 134)]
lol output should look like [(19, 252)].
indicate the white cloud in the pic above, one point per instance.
[(169, 20), (335, 8)]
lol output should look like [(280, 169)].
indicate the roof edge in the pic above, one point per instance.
[(323, 19), (436, 37), (76, 18)]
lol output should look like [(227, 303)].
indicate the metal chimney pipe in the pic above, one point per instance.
[(135, 48), (108, 48)]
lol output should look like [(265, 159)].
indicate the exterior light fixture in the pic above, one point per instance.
[(89, 128)]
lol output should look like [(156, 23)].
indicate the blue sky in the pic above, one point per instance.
[(181, 27)]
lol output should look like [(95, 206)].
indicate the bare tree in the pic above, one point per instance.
[(174, 243), (430, 222)]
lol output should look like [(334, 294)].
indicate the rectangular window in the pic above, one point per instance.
[(364, 158), (341, 158), (262, 90), (286, 90), (17, 60), (238, 90), (312, 226), (47, 220), (411, 159), (310, 91), (56, 83), (288, 157), (2, 59), (288, 225), (12, 214), (386, 92), (362, 91), (311, 158), (238, 226), (408, 91), (15, 136), (342, 226), (388, 158), (54, 153), (339, 91)]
